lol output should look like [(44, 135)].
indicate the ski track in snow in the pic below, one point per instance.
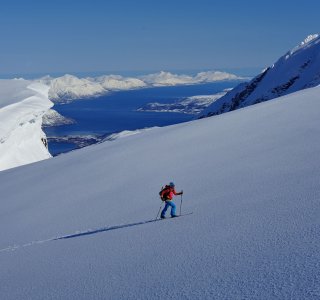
[(83, 233)]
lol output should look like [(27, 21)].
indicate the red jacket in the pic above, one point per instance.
[(171, 193)]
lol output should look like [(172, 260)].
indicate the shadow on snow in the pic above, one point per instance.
[(104, 229), (83, 233)]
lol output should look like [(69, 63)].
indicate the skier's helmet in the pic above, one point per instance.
[(171, 184)]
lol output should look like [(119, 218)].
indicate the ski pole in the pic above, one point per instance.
[(159, 211), (180, 204)]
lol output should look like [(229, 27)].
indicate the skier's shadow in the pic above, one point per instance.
[(104, 229)]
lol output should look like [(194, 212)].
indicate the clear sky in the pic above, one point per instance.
[(70, 36)]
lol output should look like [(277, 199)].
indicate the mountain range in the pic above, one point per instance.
[(69, 87)]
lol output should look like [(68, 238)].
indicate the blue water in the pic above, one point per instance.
[(116, 111)]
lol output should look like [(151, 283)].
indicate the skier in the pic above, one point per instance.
[(166, 195)]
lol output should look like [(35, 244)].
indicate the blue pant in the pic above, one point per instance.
[(173, 208)]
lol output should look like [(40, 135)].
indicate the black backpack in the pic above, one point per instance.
[(164, 193)]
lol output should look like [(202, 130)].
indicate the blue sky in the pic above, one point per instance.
[(144, 35)]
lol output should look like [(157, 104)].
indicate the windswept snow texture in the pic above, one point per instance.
[(22, 105), (80, 226), (69, 87), (296, 70)]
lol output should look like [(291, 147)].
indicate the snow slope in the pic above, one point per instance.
[(79, 226), (22, 105), (296, 70)]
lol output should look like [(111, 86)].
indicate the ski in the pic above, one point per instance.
[(183, 215)]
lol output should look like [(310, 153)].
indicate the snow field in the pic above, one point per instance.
[(251, 177)]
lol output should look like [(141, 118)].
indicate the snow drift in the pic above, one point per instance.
[(296, 70), (22, 105), (80, 226)]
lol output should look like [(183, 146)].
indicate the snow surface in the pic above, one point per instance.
[(79, 226), (22, 105), (125, 133), (296, 70), (69, 87)]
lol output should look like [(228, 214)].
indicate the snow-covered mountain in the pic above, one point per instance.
[(117, 82), (168, 79), (189, 105), (22, 106), (81, 225), (69, 87), (53, 118), (296, 70)]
